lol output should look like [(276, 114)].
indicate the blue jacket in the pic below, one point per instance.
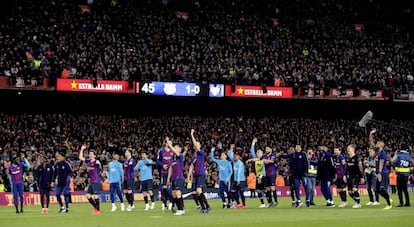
[(326, 167), (402, 163)]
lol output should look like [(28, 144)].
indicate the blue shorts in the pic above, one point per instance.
[(384, 184), (240, 187), (128, 184), (199, 182), (18, 189), (44, 191), (146, 185), (163, 179), (225, 187), (269, 181), (178, 184), (94, 188)]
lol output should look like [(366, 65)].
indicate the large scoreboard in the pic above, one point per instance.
[(180, 89)]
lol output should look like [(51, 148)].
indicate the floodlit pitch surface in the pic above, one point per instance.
[(284, 214)]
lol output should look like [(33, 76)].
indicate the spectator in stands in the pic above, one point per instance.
[(324, 49), (144, 132)]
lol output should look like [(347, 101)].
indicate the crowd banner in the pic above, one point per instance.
[(335, 93), (82, 85), (258, 91), (406, 97), (22, 83), (33, 198)]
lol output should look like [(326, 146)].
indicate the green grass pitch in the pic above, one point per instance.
[(284, 215)]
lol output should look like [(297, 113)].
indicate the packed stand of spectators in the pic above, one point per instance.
[(299, 44), (38, 135)]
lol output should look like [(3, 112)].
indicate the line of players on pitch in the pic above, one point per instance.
[(347, 172)]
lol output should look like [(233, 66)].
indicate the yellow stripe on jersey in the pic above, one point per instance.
[(369, 170), (402, 169), (314, 171)]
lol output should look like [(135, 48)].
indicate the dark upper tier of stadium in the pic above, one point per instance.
[(346, 44)]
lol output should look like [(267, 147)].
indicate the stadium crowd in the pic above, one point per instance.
[(38, 135), (344, 44)]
